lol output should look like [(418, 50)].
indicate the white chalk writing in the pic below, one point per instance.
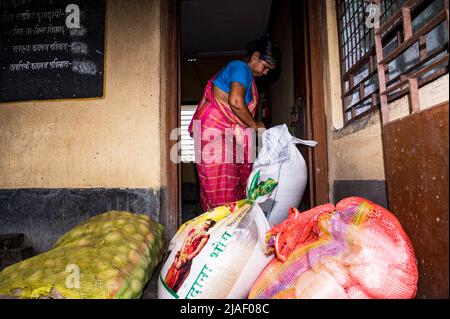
[(37, 30), (78, 32), (21, 48), (55, 64), (22, 3), (79, 48), (84, 67), (39, 65), (40, 47), (55, 46), (29, 16), (19, 66), (56, 30)]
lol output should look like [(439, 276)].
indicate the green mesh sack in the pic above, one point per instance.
[(112, 255)]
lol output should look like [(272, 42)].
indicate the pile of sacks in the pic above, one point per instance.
[(355, 249), (111, 255)]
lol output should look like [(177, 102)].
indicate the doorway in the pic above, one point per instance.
[(190, 27), (212, 34)]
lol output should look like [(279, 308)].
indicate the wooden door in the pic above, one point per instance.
[(416, 164)]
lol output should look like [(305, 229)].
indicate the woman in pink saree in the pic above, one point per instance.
[(223, 125)]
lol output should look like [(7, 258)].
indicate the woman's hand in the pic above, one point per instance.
[(259, 125)]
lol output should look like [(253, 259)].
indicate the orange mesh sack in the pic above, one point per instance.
[(356, 250)]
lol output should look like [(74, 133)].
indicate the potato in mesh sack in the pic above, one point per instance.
[(111, 255), (356, 250)]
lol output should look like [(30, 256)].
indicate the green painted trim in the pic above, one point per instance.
[(167, 288)]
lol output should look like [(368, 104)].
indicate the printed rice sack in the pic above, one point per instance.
[(280, 160), (220, 253), (111, 255), (357, 250)]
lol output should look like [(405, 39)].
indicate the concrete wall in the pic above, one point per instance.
[(63, 161), (355, 152), (355, 155), (109, 142)]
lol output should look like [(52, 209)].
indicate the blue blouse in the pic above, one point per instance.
[(235, 71)]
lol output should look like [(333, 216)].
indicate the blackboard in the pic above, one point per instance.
[(42, 57)]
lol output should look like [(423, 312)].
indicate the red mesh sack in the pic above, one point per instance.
[(356, 250)]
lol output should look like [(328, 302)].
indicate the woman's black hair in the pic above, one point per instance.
[(267, 48)]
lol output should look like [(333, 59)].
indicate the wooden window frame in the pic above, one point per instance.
[(408, 82)]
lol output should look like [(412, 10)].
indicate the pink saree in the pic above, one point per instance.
[(222, 169)]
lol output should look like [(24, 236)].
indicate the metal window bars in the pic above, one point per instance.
[(358, 57)]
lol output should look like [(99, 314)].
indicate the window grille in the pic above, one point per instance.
[(187, 142)]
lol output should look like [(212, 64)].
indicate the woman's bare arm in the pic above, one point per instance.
[(236, 100)]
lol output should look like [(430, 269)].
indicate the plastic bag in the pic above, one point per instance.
[(357, 251), (111, 255), (280, 160), (220, 253)]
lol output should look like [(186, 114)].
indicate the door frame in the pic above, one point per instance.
[(170, 93), (316, 20), (309, 69)]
